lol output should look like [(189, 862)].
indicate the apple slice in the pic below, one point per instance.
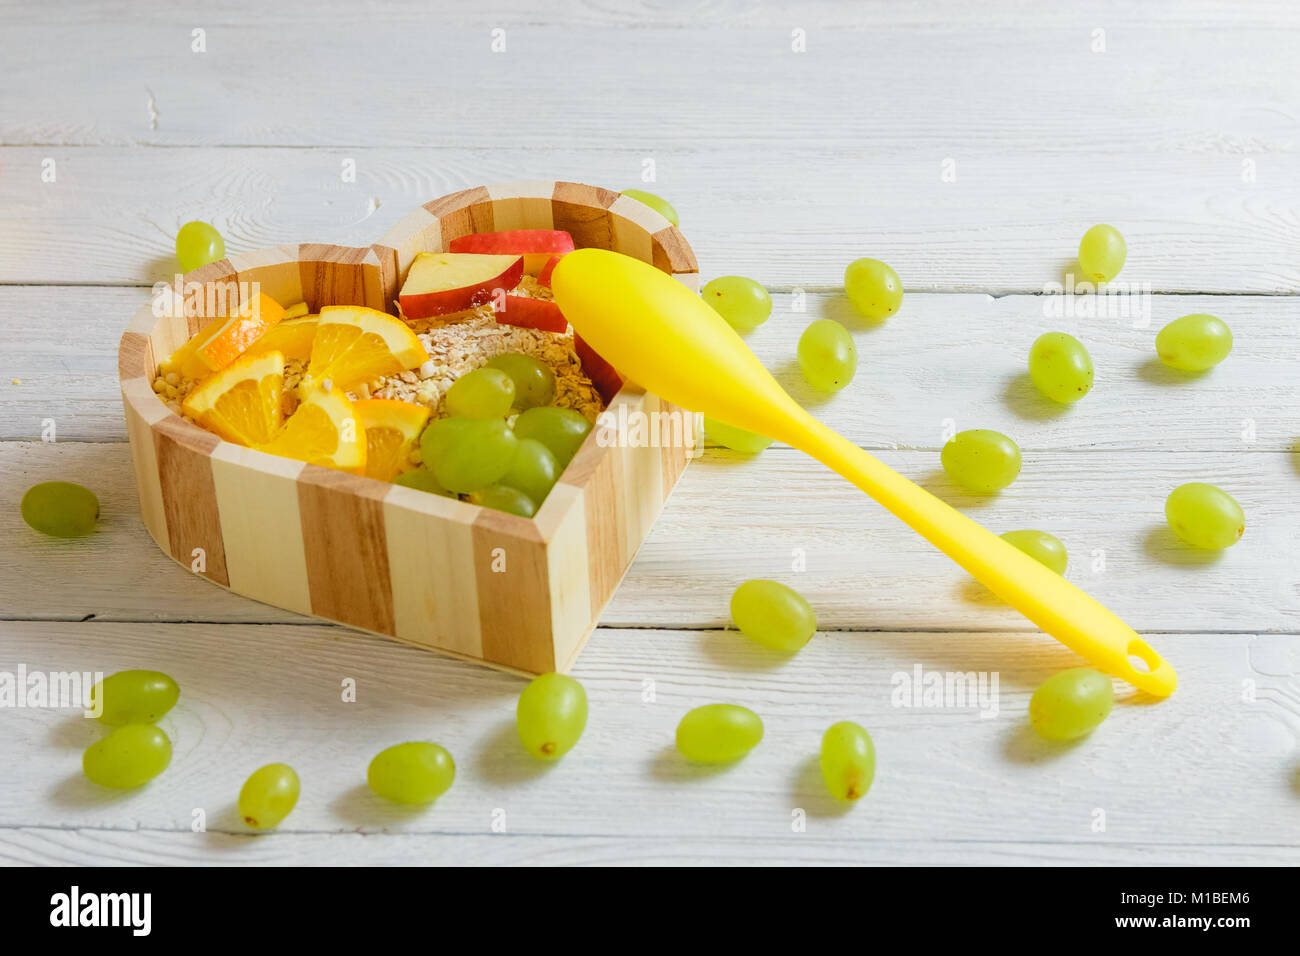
[(442, 282), (536, 245), (544, 277), (529, 313), (601, 373)]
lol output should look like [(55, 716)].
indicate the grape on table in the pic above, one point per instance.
[(551, 715), (416, 772), (718, 733)]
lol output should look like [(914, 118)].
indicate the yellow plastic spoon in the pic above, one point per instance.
[(665, 338)]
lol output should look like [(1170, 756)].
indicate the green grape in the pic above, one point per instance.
[(476, 455), (437, 436), (562, 430), (742, 302), (60, 509), (503, 498), (1205, 516), (134, 697), (551, 715), (411, 773), (1194, 342), (737, 439), (827, 356), (718, 733), (981, 461), (197, 244), (422, 479), (873, 288), (1044, 548), (483, 393), (129, 756), (1101, 253), (534, 381), (773, 615), (533, 471), (657, 203), (1071, 704), (1060, 367), (848, 760), (268, 796)]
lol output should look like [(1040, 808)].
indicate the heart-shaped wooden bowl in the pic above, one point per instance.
[(517, 593)]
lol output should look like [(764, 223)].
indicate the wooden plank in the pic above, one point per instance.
[(189, 498), (1010, 223), (562, 521), (943, 357), (521, 205), (732, 519), (599, 478), (332, 275), (347, 552), (945, 774), (667, 60), (275, 270), (462, 213), (261, 526), (140, 417), (64, 846), (514, 594), (435, 592)]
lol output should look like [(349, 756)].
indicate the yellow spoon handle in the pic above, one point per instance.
[(663, 336), (1038, 592)]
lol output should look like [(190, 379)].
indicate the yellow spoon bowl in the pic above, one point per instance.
[(665, 338)]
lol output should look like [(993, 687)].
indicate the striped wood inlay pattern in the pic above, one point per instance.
[(346, 548), (515, 593), (189, 495), (433, 582), (257, 499), (514, 599)]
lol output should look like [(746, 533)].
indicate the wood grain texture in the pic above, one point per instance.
[(183, 455), (54, 846), (333, 275), (1183, 133), (330, 553), (511, 576), (346, 548), (791, 215), (261, 526), (942, 357), (1144, 94), (433, 582), (946, 777), (730, 519)]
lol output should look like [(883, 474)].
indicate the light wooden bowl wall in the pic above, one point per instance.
[(516, 593)]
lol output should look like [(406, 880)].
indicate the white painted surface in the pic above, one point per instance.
[(784, 166)]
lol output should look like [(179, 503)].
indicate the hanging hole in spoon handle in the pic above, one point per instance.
[(1158, 678)]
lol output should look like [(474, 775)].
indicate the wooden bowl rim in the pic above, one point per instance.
[(137, 384)]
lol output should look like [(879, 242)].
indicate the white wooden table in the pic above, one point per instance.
[(784, 165)]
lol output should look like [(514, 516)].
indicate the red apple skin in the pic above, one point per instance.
[(423, 305), (601, 373), (544, 277), (528, 313), (535, 245)]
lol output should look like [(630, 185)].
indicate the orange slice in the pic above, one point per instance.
[(392, 429), (230, 338), (185, 354), (293, 337), (296, 310), (355, 345), (323, 431), (241, 403)]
